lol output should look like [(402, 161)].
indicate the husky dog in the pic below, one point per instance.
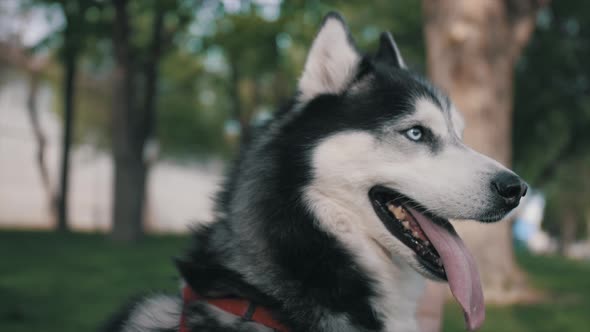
[(339, 207)]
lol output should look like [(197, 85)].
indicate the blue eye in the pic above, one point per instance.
[(415, 134)]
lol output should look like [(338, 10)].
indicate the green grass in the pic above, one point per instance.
[(70, 283), (64, 283)]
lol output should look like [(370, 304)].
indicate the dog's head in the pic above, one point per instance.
[(390, 163)]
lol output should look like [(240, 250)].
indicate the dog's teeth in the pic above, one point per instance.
[(399, 213), (415, 234), (426, 242), (406, 224), (391, 207)]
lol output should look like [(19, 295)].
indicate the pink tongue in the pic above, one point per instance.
[(460, 268)]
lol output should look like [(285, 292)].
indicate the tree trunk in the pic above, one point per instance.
[(129, 195), (70, 68), (129, 168), (567, 230), (151, 72), (133, 122), (40, 138), (238, 111), (472, 48)]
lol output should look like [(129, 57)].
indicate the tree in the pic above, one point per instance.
[(73, 38), (567, 195), (560, 41), (556, 163), (34, 67), (249, 63), (472, 48), (134, 104)]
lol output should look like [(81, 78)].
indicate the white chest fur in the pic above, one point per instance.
[(398, 286)]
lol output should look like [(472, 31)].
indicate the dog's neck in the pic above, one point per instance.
[(398, 289), (397, 286), (330, 287)]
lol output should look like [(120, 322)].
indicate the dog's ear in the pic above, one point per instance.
[(332, 60), (388, 52)]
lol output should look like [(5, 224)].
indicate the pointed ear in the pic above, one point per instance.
[(388, 52), (331, 62)]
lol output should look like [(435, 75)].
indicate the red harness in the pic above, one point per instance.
[(239, 307)]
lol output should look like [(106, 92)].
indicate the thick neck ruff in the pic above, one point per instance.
[(244, 308)]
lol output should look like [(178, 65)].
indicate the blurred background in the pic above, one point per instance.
[(117, 119)]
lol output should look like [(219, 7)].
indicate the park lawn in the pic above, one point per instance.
[(70, 283)]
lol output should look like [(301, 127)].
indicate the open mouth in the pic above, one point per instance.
[(391, 207), (438, 248)]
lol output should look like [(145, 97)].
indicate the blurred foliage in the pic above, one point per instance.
[(224, 66), (231, 63), (567, 197), (258, 55), (187, 122), (552, 111)]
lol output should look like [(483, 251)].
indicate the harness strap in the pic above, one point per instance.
[(246, 309)]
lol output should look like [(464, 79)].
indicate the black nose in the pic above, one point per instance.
[(510, 187)]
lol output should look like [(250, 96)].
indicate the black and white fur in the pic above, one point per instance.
[(295, 230)]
